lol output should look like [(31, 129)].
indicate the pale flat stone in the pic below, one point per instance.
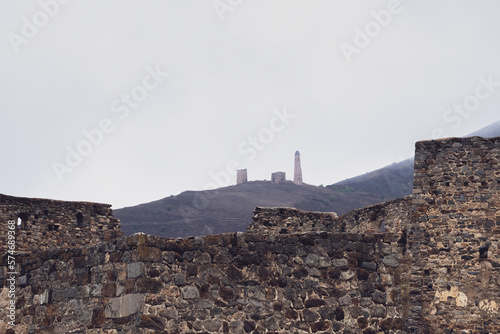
[(124, 306)]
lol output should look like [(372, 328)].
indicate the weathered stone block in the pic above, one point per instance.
[(192, 269), (362, 322), (212, 325), (310, 316), (109, 290), (344, 301), (391, 260), (98, 317), (180, 279), (312, 260), (226, 292), (147, 254), (314, 302), (80, 262), (124, 306), (342, 263), (22, 281), (46, 297), (379, 297), (135, 270), (347, 275), (379, 311), (190, 292), (115, 256), (151, 321), (149, 285), (320, 326), (249, 326), (203, 258), (291, 314), (72, 292), (60, 295), (170, 314)]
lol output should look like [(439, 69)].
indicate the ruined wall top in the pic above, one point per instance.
[(457, 163), (392, 216), (49, 223), (291, 220)]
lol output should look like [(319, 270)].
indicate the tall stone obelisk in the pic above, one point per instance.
[(297, 174)]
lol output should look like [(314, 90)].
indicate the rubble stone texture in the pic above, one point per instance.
[(453, 237), (291, 220), (430, 267), (46, 224)]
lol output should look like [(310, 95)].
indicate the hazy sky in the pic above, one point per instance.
[(125, 102)]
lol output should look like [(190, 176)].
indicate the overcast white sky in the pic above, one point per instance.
[(354, 102)]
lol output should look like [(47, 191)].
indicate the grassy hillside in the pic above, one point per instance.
[(230, 209), (384, 184)]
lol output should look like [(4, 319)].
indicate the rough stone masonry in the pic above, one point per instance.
[(427, 263)]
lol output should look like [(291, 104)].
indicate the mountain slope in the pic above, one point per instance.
[(384, 184), (492, 130), (396, 180), (230, 209)]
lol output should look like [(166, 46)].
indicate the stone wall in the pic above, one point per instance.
[(455, 239), (229, 283), (46, 223), (392, 216), (435, 269), (291, 220)]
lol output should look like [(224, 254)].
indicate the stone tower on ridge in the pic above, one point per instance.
[(297, 174), (241, 176)]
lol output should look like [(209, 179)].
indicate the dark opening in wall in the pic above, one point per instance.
[(50, 227), (22, 221), (483, 252), (79, 219), (402, 242)]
